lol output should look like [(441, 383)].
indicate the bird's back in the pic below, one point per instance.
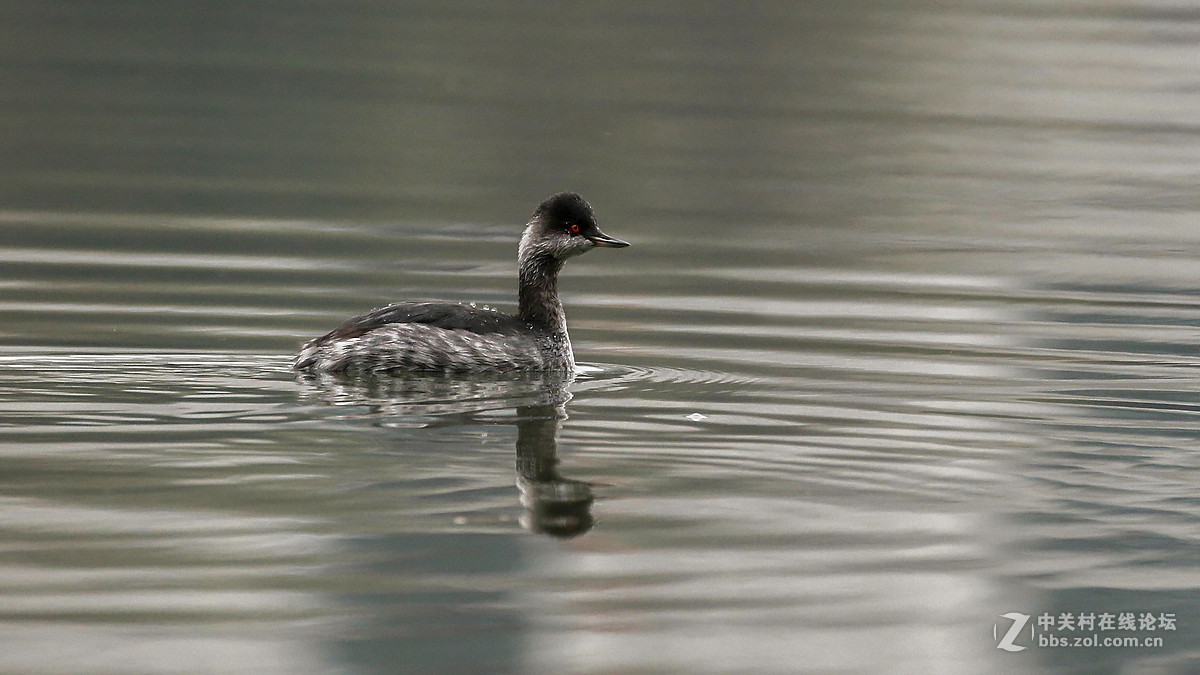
[(434, 336)]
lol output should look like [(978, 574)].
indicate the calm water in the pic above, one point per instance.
[(906, 339)]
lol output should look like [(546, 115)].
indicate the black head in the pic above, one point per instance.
[(566, 225)]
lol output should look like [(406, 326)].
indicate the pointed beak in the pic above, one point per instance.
[(601, 239)]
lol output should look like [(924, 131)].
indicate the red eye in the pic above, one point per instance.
[(574, 228)]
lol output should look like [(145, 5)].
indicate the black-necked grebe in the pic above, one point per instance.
[(436, 336)]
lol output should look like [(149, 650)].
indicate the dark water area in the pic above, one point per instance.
[(903, 354)]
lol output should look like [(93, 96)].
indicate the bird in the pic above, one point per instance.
[(457, 337)]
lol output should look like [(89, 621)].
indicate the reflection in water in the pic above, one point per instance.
[(554, 505)]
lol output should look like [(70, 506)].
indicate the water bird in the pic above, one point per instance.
[(456, 337)]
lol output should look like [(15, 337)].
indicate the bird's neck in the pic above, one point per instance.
[(537, 294)]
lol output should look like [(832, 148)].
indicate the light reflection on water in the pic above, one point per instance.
[(906, 338), (873, 485)]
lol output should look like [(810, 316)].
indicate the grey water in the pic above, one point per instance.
[(905, 342)]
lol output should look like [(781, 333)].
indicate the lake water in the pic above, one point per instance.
[(906, 339)]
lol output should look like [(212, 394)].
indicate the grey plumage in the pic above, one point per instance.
[(431, 336)]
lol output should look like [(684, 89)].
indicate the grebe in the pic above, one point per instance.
[(455, 337)]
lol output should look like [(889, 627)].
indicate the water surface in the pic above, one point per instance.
[(906, 339)]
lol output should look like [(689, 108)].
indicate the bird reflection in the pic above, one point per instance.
[(554, 505)]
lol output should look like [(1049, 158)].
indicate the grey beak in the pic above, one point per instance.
[(601, 239)]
